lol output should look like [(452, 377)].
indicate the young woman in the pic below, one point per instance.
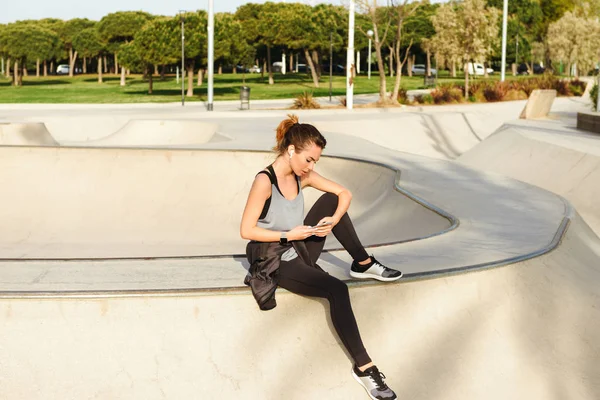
[(284, 246)]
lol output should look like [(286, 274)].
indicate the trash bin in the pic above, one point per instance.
[(429, 80), (245, 96)]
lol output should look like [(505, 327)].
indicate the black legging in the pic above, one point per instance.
[(297, 277)]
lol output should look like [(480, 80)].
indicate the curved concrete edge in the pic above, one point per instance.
[(25, 134), (524, 331)]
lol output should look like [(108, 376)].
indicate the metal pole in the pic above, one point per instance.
[(350, 59), (369, 60), (182, 60), (211, 53), (504, 16), (330, 62)]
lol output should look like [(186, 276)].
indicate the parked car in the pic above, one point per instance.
[(337, 69), (479, 69), (420, 69), (523, 69), (62, 69), (254, 69)]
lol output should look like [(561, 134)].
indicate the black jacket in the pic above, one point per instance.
[(263, 275)]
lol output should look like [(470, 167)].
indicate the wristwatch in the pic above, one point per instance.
[(283, 238)]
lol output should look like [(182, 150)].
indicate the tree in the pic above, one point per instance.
[(471, 30), (231, 46), (380, 19), (89, 44), (67, 32), (403, 11), (575, 40), (157, 43), (119, 28)]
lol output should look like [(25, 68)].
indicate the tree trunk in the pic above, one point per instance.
[(220, 70), (150, 80), (454, 68), (162, 72), (85, 61), (391, 61), (116, 64), (99, 69), (409, 66), (122, 83), (380, 67), (190, 73), (428, 70), (7, 67), (71, 62), (485, 73), (155, 69), (264, 68), (312, 68), (200, 76), (72, 67), (291, 68), (105, 65), (466, 67), (235, 69), (271, 81), (25, 73), (37, 68), (128, 71), (16, 73), (316, 63), (45, 68), (52, 66)]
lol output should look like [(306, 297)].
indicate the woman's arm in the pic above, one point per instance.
[(316, 181), (259, 193)]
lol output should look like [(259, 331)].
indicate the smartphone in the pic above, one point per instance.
[(322, 224)]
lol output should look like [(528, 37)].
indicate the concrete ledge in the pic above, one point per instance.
[(539, 104), (589, 121)]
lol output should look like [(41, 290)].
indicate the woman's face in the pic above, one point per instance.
[(302, 162)]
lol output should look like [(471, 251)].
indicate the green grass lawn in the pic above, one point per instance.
[(86, 89)]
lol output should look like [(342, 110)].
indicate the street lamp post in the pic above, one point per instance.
[(370, 35), (350, 59), (330, 62), (504, 16), (182, 18), (211, 53)]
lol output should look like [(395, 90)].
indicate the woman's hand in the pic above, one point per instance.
[(324, 227), (300, 232)]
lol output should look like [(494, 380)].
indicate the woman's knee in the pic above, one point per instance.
[(338, 289)]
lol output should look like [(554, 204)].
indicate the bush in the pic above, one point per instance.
[(577, 87), (594, 97), (496, 92), (447, 94), (423, 99), (403, 96), (563, 87), (305, 101)]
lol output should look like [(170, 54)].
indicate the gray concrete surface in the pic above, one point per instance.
[(503, 304)]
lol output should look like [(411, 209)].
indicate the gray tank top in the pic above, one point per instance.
[(283, 214)]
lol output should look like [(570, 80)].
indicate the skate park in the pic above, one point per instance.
[(123, 267)]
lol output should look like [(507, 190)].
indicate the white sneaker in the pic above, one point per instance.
[(376, 271), (372, 381)]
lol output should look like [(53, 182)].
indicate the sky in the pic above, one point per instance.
[(94, 10)]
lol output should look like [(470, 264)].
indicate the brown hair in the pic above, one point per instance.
[(290, 132)]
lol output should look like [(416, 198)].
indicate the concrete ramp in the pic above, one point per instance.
[(523, 331), (129, 203), (443, 135), (145, 133), (566, 163), (25, 134)]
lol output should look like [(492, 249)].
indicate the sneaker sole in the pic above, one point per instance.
[(361, 275), (357, 379)]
